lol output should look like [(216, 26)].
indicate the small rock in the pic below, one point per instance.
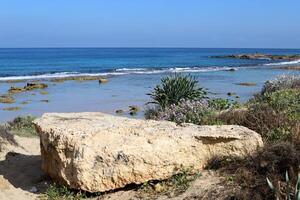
[(7, 99), (33, 190), (11, 108), (231, 93), (4, 185), (119, 111), (103, 80), (231, 70), (25, 102), (133, 110), (14, 90), (45, 100), (158, 188), (246, 84), (43, 92), (33, 86)]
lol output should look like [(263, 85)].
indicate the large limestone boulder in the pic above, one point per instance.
[(98, 152)]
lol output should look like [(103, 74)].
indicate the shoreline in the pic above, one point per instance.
[(120, 92)]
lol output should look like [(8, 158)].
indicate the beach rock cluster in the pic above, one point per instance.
[(7, 99), (27, 87), (100, 79), (260, 56), (98, 152)]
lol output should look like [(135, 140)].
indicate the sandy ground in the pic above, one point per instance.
[(21, 178), (20, 172)]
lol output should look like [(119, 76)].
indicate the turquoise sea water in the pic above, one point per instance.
[(132, 73)]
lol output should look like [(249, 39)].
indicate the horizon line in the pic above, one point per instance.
[(291, 48)]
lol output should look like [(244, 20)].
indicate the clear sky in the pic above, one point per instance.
[(150, 23)]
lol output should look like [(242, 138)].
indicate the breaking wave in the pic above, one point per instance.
[(118, 72), (284, 63)]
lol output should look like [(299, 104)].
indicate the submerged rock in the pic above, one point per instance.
[(103, 80), (33, 86), (27, 87), (11, 108), (7, 99), (25, 102), (246, 84), (231, 70), (44, 92), (14, 90), (296, 68), (119, 111), (133, 110), (231, 93), (98, 152)]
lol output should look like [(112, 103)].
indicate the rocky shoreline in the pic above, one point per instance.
[(295, 68), (260, 56), (101, 79)]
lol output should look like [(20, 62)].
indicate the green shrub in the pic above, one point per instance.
[(281, 83), (55, 192), (289, 190), (23, 126), (186, 111), (175, 88), (220, 104), (276, 116), (171, 187)]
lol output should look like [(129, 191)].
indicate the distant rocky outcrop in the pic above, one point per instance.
[(260, 56), (98, 152)]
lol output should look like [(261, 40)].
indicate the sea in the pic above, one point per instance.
[(132, 74)]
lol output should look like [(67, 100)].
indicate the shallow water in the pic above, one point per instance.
[(136, 72), (123, 91)]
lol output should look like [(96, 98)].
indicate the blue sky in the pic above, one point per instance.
[(150, 23)]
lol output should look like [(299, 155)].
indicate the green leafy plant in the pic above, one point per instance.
[(56, 192), (220, 104), (280, 83), (287, 194), (175, 88), (175, 185), (186, 111), (22, 126)]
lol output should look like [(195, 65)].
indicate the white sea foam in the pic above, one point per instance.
[(118, 72), (131, 69), (285, 63)]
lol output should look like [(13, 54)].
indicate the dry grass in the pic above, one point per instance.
[(6, 137), (250, 173)]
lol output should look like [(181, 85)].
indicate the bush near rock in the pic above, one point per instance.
[(97, 152)]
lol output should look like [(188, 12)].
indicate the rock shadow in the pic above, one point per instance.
[(24, 171)]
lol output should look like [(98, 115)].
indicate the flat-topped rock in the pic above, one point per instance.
[(98, 152)]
